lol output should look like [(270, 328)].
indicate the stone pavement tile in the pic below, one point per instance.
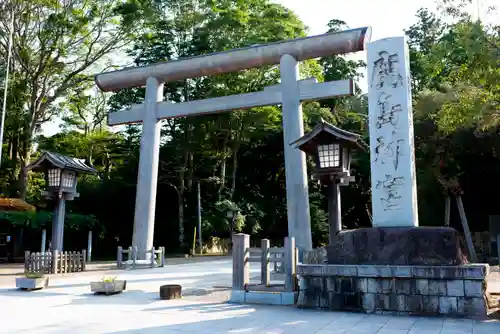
[(393, 331), (424, 325), (425, 331), (399, 323), (458, 326), (342, 323), (366, 328), (486, 327)]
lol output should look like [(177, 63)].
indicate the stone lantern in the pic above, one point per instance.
[(61, 176), (331, 148)]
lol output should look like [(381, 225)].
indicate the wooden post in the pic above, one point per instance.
[(153, 263), (89, 247), (55, 260), (193, 250), (465, 226), (447, 205), (162, 259), (70, 261), (35, 259), (44, 240), (130, 253), (241, 243), (78, 261), (84, 259), (119, 257), (134, 256), (289, 263), (498, 247), (26, 261), (265, 275)]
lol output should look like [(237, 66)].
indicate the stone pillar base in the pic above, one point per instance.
[(419, 290), (435, 246)]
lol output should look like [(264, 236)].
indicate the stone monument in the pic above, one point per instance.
[(395, 266), (395, 238), (394, 186)]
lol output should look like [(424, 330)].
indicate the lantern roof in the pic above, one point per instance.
[(324, 133), (49, 160)]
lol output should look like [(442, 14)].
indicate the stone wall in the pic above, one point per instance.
[(447, 290)]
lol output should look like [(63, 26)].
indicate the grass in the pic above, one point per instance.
[(33, 275)]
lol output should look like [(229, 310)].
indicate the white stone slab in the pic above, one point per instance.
[(394, 190)]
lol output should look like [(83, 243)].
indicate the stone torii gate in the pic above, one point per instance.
[(289, 93)]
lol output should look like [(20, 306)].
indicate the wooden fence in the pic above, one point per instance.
[(265, 255), (55, 262), (156, 256)]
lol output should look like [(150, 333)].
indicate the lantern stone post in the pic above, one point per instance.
[(332, 149), (61, 176)]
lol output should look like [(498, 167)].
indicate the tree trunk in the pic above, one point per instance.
[(26, 142), (23, 175), (180, 204), (107, 166), (234, 170), (222, 176), (223, 166), (465, 225), (181, 209), (190, 172), (182, 188), (447, 211)]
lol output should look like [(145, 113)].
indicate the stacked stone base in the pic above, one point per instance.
[(263, 297), (418, 290)]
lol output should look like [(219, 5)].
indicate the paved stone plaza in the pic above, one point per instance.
[(68, 307)]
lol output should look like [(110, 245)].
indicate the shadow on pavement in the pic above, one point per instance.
[(128, 297), (202, 307), (140, 280), (14, 292), (207, 326)]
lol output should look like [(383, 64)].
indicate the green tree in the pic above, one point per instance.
[(56, 47)]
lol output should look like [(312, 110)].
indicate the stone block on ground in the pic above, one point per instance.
[(170, 291)]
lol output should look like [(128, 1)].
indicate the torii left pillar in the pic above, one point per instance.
[(145, 201)]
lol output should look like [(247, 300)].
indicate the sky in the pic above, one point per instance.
[(387, 18)]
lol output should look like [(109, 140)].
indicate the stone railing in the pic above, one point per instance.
[(445, 290), (243, 255), (263, 292), (156, 257)]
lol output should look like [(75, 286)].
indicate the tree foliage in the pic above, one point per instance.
[(237, 157)]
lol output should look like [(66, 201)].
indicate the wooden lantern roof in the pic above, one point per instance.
[(325, 132), (50, 159)]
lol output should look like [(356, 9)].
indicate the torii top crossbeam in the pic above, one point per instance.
[(238, 59)]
